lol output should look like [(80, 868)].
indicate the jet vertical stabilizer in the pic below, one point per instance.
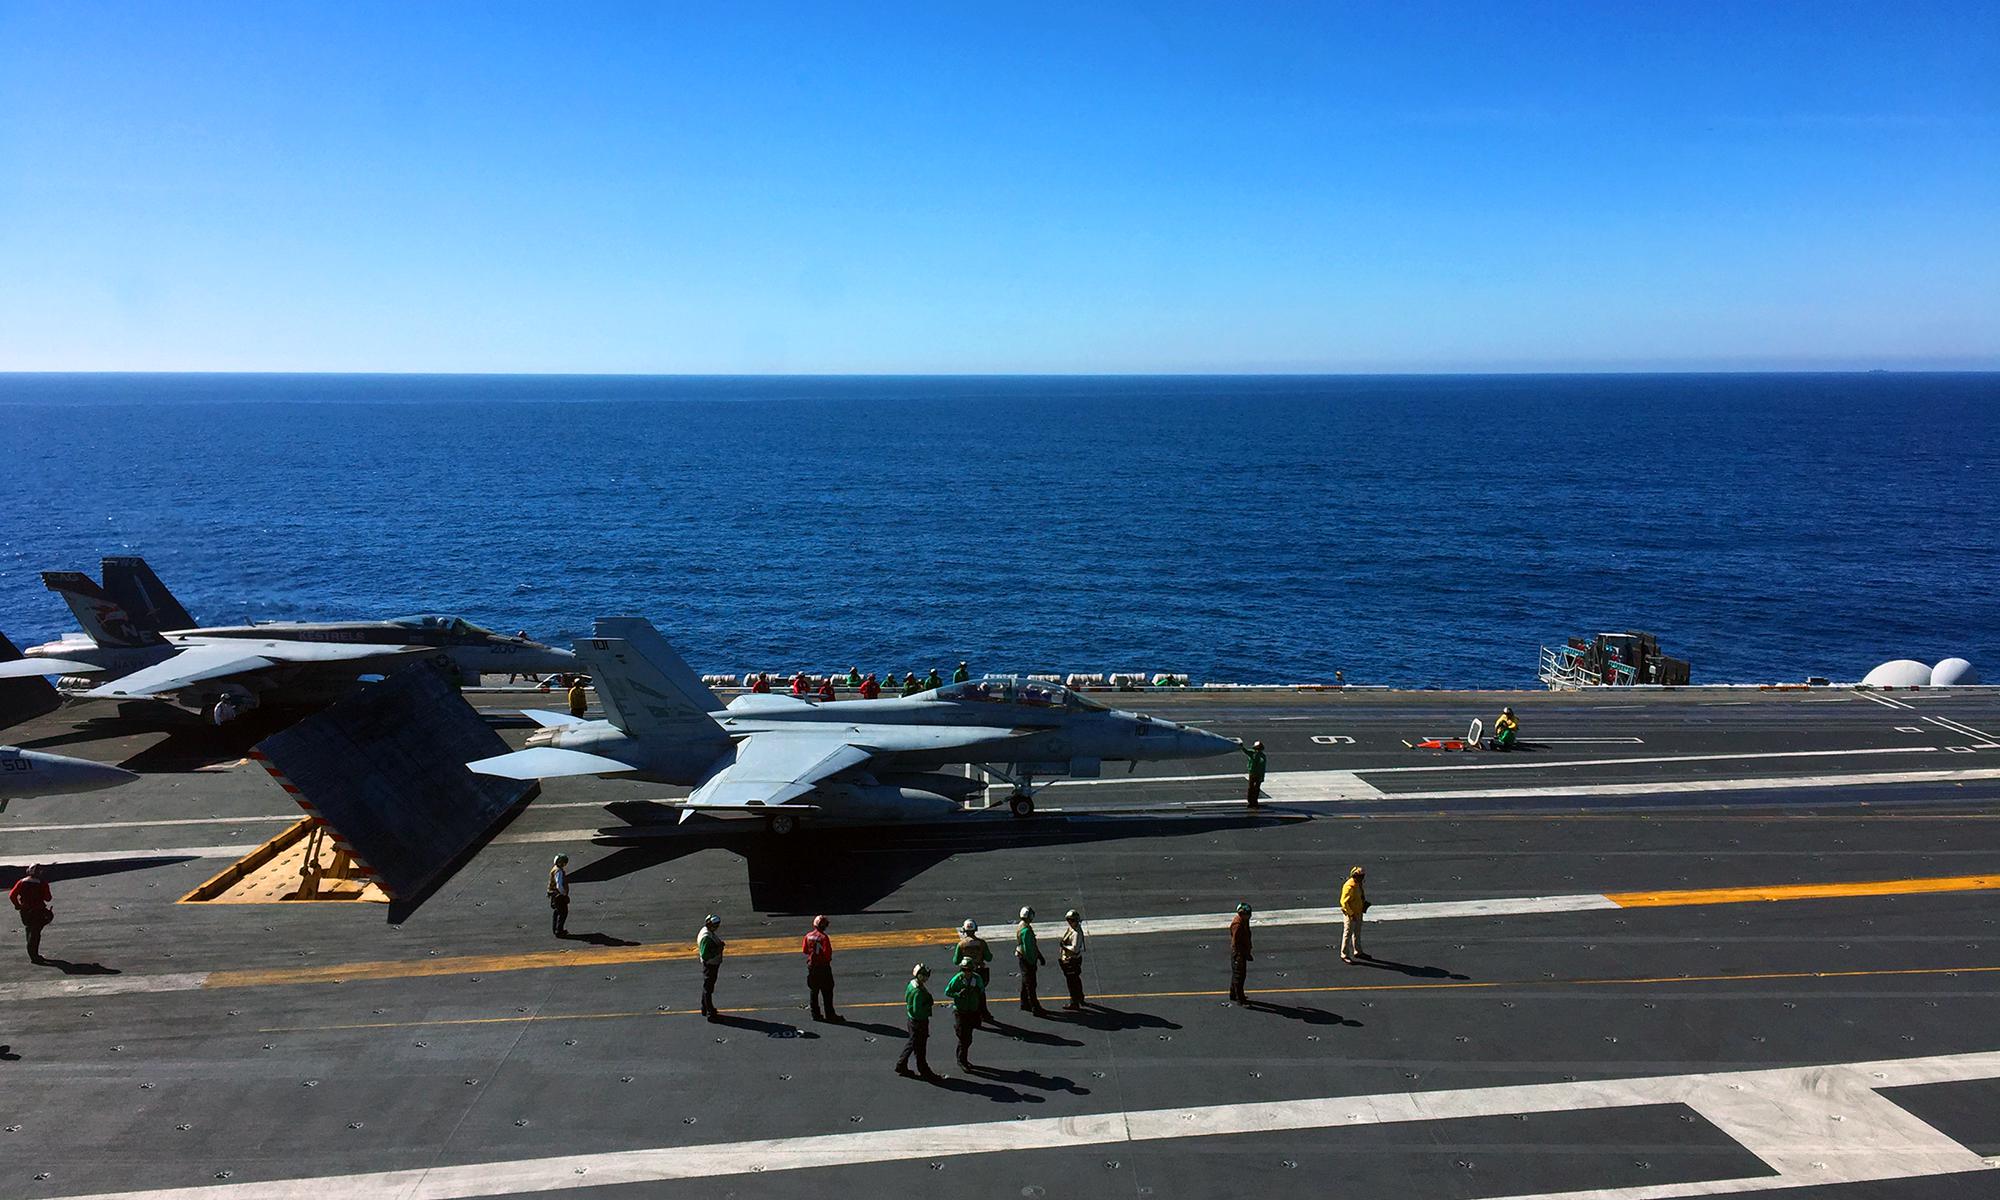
[(104, 620), (132, 585), (648, 693)]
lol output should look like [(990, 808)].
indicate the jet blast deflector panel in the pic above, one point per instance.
[(25, 698), (385, 770)]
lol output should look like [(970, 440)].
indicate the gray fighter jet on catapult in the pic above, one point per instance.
[(781, 758), (35, 773), (140, 640)]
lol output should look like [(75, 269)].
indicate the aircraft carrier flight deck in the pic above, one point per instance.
[(1680, 943)]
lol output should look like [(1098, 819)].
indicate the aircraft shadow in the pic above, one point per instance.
[(1410, 969), (851, 870)]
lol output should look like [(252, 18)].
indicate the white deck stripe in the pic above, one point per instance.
[(1522, 765), (1961, 727), (1488, 764), (1774, 783), (1329, 915), (1810, 1125)]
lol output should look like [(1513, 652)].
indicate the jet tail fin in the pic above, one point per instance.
[(646, 689), (130, 582), (103, 619)]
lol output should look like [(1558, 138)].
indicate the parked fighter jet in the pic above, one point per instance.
[(246, 665), (33, 773), (870, 760)]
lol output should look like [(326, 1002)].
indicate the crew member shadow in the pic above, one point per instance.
[(1032, 1036), (888, 1031), (79, 968), (7, 1054), (776, 1029), (1300, 1012), (1109, 1020), (1410, 969), (999, 1093), (596, 939), (1033, 1079)]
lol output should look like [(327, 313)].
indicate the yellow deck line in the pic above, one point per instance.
[(535, 960), (1309, 990), (602, 956), (1804, 891)]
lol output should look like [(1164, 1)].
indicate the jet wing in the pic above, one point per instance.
[(547, 762), (223, 657), (21, 668), (778, 767)]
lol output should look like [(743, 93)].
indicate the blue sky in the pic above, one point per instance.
[(951, 187)]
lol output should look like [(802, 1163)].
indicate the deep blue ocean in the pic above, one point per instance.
[(1408, 530)]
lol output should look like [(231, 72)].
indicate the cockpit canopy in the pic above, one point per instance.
[(1016, 689), (457, 626)]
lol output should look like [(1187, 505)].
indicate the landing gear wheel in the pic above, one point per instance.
[(1021, 805), (783, 824)]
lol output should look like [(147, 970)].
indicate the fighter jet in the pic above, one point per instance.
[(33, 773), (783, 759), (141, 642)]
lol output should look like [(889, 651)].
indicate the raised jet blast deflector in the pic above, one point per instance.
[(24, 694), (384, 769)]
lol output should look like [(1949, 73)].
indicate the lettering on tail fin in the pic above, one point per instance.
[(132, 585), (103, 619)]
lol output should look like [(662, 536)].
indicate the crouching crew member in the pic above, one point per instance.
[(1506, 730), (917, 1004), (708, 948), (819, 969), (1070, 958)]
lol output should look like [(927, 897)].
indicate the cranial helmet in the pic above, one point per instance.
[(1027, 914), (1243, 908), (712, 921), (819, 922), (1072, 915), (970, 926), (920, 971), (561, 859)]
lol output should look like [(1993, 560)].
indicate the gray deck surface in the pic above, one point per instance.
[(137, 1061)]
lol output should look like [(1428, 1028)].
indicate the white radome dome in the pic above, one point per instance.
[(1903, 672), (1953, 672)]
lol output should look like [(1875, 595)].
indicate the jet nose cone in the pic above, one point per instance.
[(1199, 743)]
